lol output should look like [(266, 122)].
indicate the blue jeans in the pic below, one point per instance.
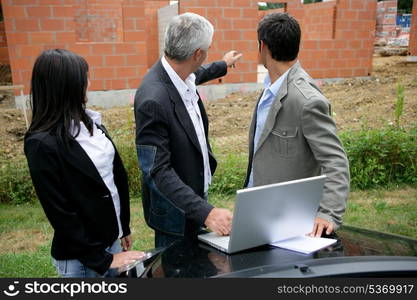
[(164, 240), (74, 268)]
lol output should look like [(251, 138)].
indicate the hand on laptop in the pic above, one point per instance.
[(320, 225), (219, 220)]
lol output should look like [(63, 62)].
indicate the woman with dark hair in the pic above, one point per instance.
[(76, 171)]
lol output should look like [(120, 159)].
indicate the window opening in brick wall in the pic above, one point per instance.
[(315, 1), (270, 5)]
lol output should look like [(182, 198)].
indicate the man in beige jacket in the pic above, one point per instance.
[(292, 134)]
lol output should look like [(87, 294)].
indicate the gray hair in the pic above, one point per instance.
[(185, 34)]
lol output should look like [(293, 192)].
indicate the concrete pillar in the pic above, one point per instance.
[(412, 48)]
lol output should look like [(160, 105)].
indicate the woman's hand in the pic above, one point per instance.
[(126, 243), (126, 257)]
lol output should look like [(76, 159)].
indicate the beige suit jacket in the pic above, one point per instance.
[(299, 140)]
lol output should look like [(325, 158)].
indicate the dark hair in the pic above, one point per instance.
[(282, 34), (58, 94)]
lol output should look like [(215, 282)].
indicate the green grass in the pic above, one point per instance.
[(26, 237), (22, 216), (26, 234), (28, 264), (392, 211)]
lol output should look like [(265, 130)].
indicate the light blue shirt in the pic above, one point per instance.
[(268, 97)]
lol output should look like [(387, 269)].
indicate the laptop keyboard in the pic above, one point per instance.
[(219, 242)]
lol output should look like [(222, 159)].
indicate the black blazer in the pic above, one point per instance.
[(75, 199), (169, 153)]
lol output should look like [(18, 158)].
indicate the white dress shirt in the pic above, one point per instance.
[(188, 93), (101, 152)]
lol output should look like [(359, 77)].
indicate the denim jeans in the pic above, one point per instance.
[(74, 268), (164, 240)]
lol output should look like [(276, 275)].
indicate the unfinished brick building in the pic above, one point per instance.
[(119, 38)]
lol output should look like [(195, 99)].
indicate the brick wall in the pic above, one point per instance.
[(110, 34), (4, 51), (119, 38), (235, 23), (386, 17), (350, 52), (263, 13), (319, 20), (337, 36), (165, 15), (413, 31), (100, 22), (152, 40)]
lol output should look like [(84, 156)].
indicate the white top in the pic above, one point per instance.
[(101, 152), (188, 93)]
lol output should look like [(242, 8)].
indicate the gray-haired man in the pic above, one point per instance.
[(172, 134)]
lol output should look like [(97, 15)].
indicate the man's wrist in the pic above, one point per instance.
[(203, 213), (328, 218)]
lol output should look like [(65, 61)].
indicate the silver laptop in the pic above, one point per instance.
[(270, 213)]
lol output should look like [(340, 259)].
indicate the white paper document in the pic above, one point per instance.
[(304, 244)]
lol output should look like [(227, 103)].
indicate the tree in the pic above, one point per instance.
[(311, 1), (404, 6), (270, 5)]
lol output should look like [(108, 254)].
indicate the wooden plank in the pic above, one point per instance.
[(11, 87)]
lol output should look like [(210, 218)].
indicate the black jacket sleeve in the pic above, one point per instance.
[(210, 71), (155, 161), (44, 169)]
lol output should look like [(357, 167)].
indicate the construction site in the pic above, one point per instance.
[(361, 53), (121, 39)]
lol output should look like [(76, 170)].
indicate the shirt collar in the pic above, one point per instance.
[(94, 115), (181, 86), (274, 87)]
